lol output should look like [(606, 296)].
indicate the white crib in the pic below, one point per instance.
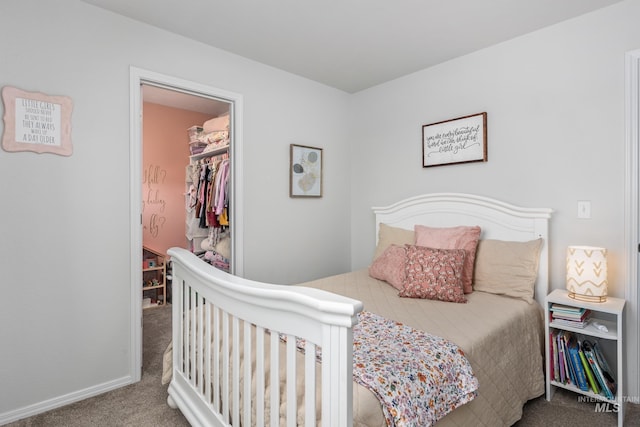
[(213, 309)]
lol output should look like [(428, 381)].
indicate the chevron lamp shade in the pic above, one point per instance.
[(587, 273)]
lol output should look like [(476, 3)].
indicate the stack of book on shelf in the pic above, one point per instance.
[(569, 316), (580, 362)]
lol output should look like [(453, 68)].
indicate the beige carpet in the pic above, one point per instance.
[(144, 404), (140, 405), (565, 410)]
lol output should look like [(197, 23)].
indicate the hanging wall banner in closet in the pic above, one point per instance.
[(153, 203)]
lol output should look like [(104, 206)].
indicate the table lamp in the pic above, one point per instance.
[(587, 273)]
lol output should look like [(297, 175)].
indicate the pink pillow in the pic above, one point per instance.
[(434, 274), (389, 266), (461, 237)]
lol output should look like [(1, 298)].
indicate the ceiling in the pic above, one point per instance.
[(184, 101), (351, 44)]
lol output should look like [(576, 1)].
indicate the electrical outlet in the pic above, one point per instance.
[(584, 209)]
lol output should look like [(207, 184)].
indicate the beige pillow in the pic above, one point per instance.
[(507, 268), (388, 235)]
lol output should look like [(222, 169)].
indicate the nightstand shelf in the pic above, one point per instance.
[(591, 330), (609, 314)]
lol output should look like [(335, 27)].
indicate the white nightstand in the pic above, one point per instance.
[(609, 314)]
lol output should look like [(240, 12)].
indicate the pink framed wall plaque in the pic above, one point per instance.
[(36, 122)]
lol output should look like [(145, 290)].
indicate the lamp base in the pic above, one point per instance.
[(587, 298)]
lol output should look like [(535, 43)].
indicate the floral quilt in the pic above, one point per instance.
[(418, 377)]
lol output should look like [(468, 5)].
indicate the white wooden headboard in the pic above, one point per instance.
[(497, 219)]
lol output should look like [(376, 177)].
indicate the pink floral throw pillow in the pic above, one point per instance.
[(389, 266), (434, 274), (461, 237)]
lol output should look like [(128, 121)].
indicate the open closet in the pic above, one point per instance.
[(186, 201), (163, 109)]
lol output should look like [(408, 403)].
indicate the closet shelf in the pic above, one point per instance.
[(154, 278), (211, 153)]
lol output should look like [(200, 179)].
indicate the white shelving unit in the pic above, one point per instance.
[(609, 314), (154, 277)]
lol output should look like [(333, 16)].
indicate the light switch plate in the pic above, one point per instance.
[(584, 209)]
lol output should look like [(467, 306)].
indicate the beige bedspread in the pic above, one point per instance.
[(501, 337)]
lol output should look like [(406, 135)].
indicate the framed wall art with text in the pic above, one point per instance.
[(460, 140), (36, 122)]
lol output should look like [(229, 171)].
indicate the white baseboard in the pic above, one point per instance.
[(56, 402)]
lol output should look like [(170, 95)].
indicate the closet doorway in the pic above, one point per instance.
[(162, 105)]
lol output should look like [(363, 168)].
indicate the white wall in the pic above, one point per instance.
[(64, 222), (555, 104), (556, 135)]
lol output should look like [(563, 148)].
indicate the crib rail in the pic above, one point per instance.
[(235, 359)]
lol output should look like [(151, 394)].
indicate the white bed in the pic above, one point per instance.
[(216, 316)]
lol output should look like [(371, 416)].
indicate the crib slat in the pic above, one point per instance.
[(185, 330), (259, 376), (246, 419), (178, 327), (235, 388), (310, 385), (274, 412), (292, 405), (200, 345), (225, 366), (207, 352), (192, 337), (216, 359)]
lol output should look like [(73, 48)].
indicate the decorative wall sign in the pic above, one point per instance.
[(36, 122), (460, 140), (305, 171)]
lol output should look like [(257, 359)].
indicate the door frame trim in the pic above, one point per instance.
[(631, 207), (138, 77)]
